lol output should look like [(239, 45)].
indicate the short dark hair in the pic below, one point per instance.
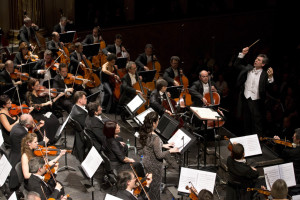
[(118, 36), (147, 127), (3, 100), (279, 189), (78, 95), (148, 46), (35, 164), (174, 58), (109, 129), (111, 57), (92, 107), (62, 65), (205, 195), (77, 44), (237, 151), (265, 59), (160, 83), (123, 178)]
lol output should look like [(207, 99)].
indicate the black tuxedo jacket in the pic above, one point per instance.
[(126, 195), (5, 80), (24, 35), (40, 65), (60, 85), (196, 92), (36, 184), (156, 102), (79, 115), (95, 125), (141, 61), (57, 28), (89, 39), (19, 58), (51, 46), (169, 76), (127, 91), (16, 135), (73, 62), (110, 48)]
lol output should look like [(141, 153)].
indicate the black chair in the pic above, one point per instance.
[(78, 147), (88, 142), (19, 171), (4, 151), (110, 175)]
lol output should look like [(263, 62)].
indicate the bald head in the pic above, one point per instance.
[(55, 36), (9, 66), (203, 76), (26, 120)]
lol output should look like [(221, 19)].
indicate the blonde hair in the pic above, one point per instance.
[(25, 147)]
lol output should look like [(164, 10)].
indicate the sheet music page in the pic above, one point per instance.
[(111, 197), (91, 162), (178, 138), (250, 143), (271, 174), (296, 197), (13, 196), (205, 113), (5, 168), (200, 179), (135, 103), (287, 173), (1, 138), (140, 117)]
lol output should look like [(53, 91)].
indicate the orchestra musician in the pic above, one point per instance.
[(76, 58), (63, 26), (38, 168), (17, 133), (27, 32), (144, 58), (55, 45), (117, 48), (201, 87), (126, 184), (95, 37), (279, 190), (204, 194), (31, 195), (157, 96), (40, 100), (107, 73), (153, 154), (117, 151), (173, 71), (22, 56), (253, 82), (241, 175)]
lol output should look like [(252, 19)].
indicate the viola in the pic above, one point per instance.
[(277, 141), (43, 91), (138, 180), (49, 150), (139, 189), (19, 75), (192, 195), (16, 110)]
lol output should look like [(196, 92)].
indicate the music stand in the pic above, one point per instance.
[(121, 62), (147, 76), (91, 49), (67, 37), (166, 126), (135, 104), (175, 91), (26, 68), (58, 132)]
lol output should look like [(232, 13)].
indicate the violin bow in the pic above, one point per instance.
[(135, 174), (17, 88)]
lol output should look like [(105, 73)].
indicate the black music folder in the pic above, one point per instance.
[(147, 76), (67, 37), (175, 91), (91, 49), (121, 62)]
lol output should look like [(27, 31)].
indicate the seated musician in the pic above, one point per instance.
[(95, 123), (203, 194), (127, 183), (31, 195), (27, 32), (95, 37), (107, 75), (63, 26), (28, 146), (22, 56), (279, 190), (144, 58), (79, 111), (157, 97), (6, 119), (8, 84), (117, 48), (241, 175), (55, 45), (117, 151), (38, 168), (17, 133), (172, 72), (76, 59), (291, 154), (40, 100), (42, 69), (201, 87)]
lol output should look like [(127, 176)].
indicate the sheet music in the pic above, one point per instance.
[(205, 113), (250, 143), (178, 138), (135, 103), (200, 180), (111, 197), (13, 196), (5, 168), (139, 119), (283, 171), (1, 138), (296, 197), (91, 162)]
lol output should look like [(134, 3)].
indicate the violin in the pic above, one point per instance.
[(192, 195), (53, 65), (49, 150), (261, 191), (282, 142), (30, 56), (50, 170), (140, 184), (19, 75), (229, 147), (70, 79), (16, 110), (43, 91), (138, 189)]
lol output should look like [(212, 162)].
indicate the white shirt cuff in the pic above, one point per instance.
[(241, 55), (271, 80)]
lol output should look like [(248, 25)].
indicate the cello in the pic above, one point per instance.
[(153, 65), (116, 83), (139, 85), (185, 97), (90, 75)]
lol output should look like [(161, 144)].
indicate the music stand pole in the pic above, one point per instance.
[(205, 142)]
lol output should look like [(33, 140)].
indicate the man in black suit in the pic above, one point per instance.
[(27, 32), (37, 168), (55, 45), (117, 48), (201, 87), (253, 82), (95, 37), (76, 59), (63, 26), (95, 123), (144, 58), (241, 175), (172, 72), (157, 96), (127, 183)]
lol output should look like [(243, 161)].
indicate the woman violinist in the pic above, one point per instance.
[(28, 145), (23, 56), (42, 105)]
